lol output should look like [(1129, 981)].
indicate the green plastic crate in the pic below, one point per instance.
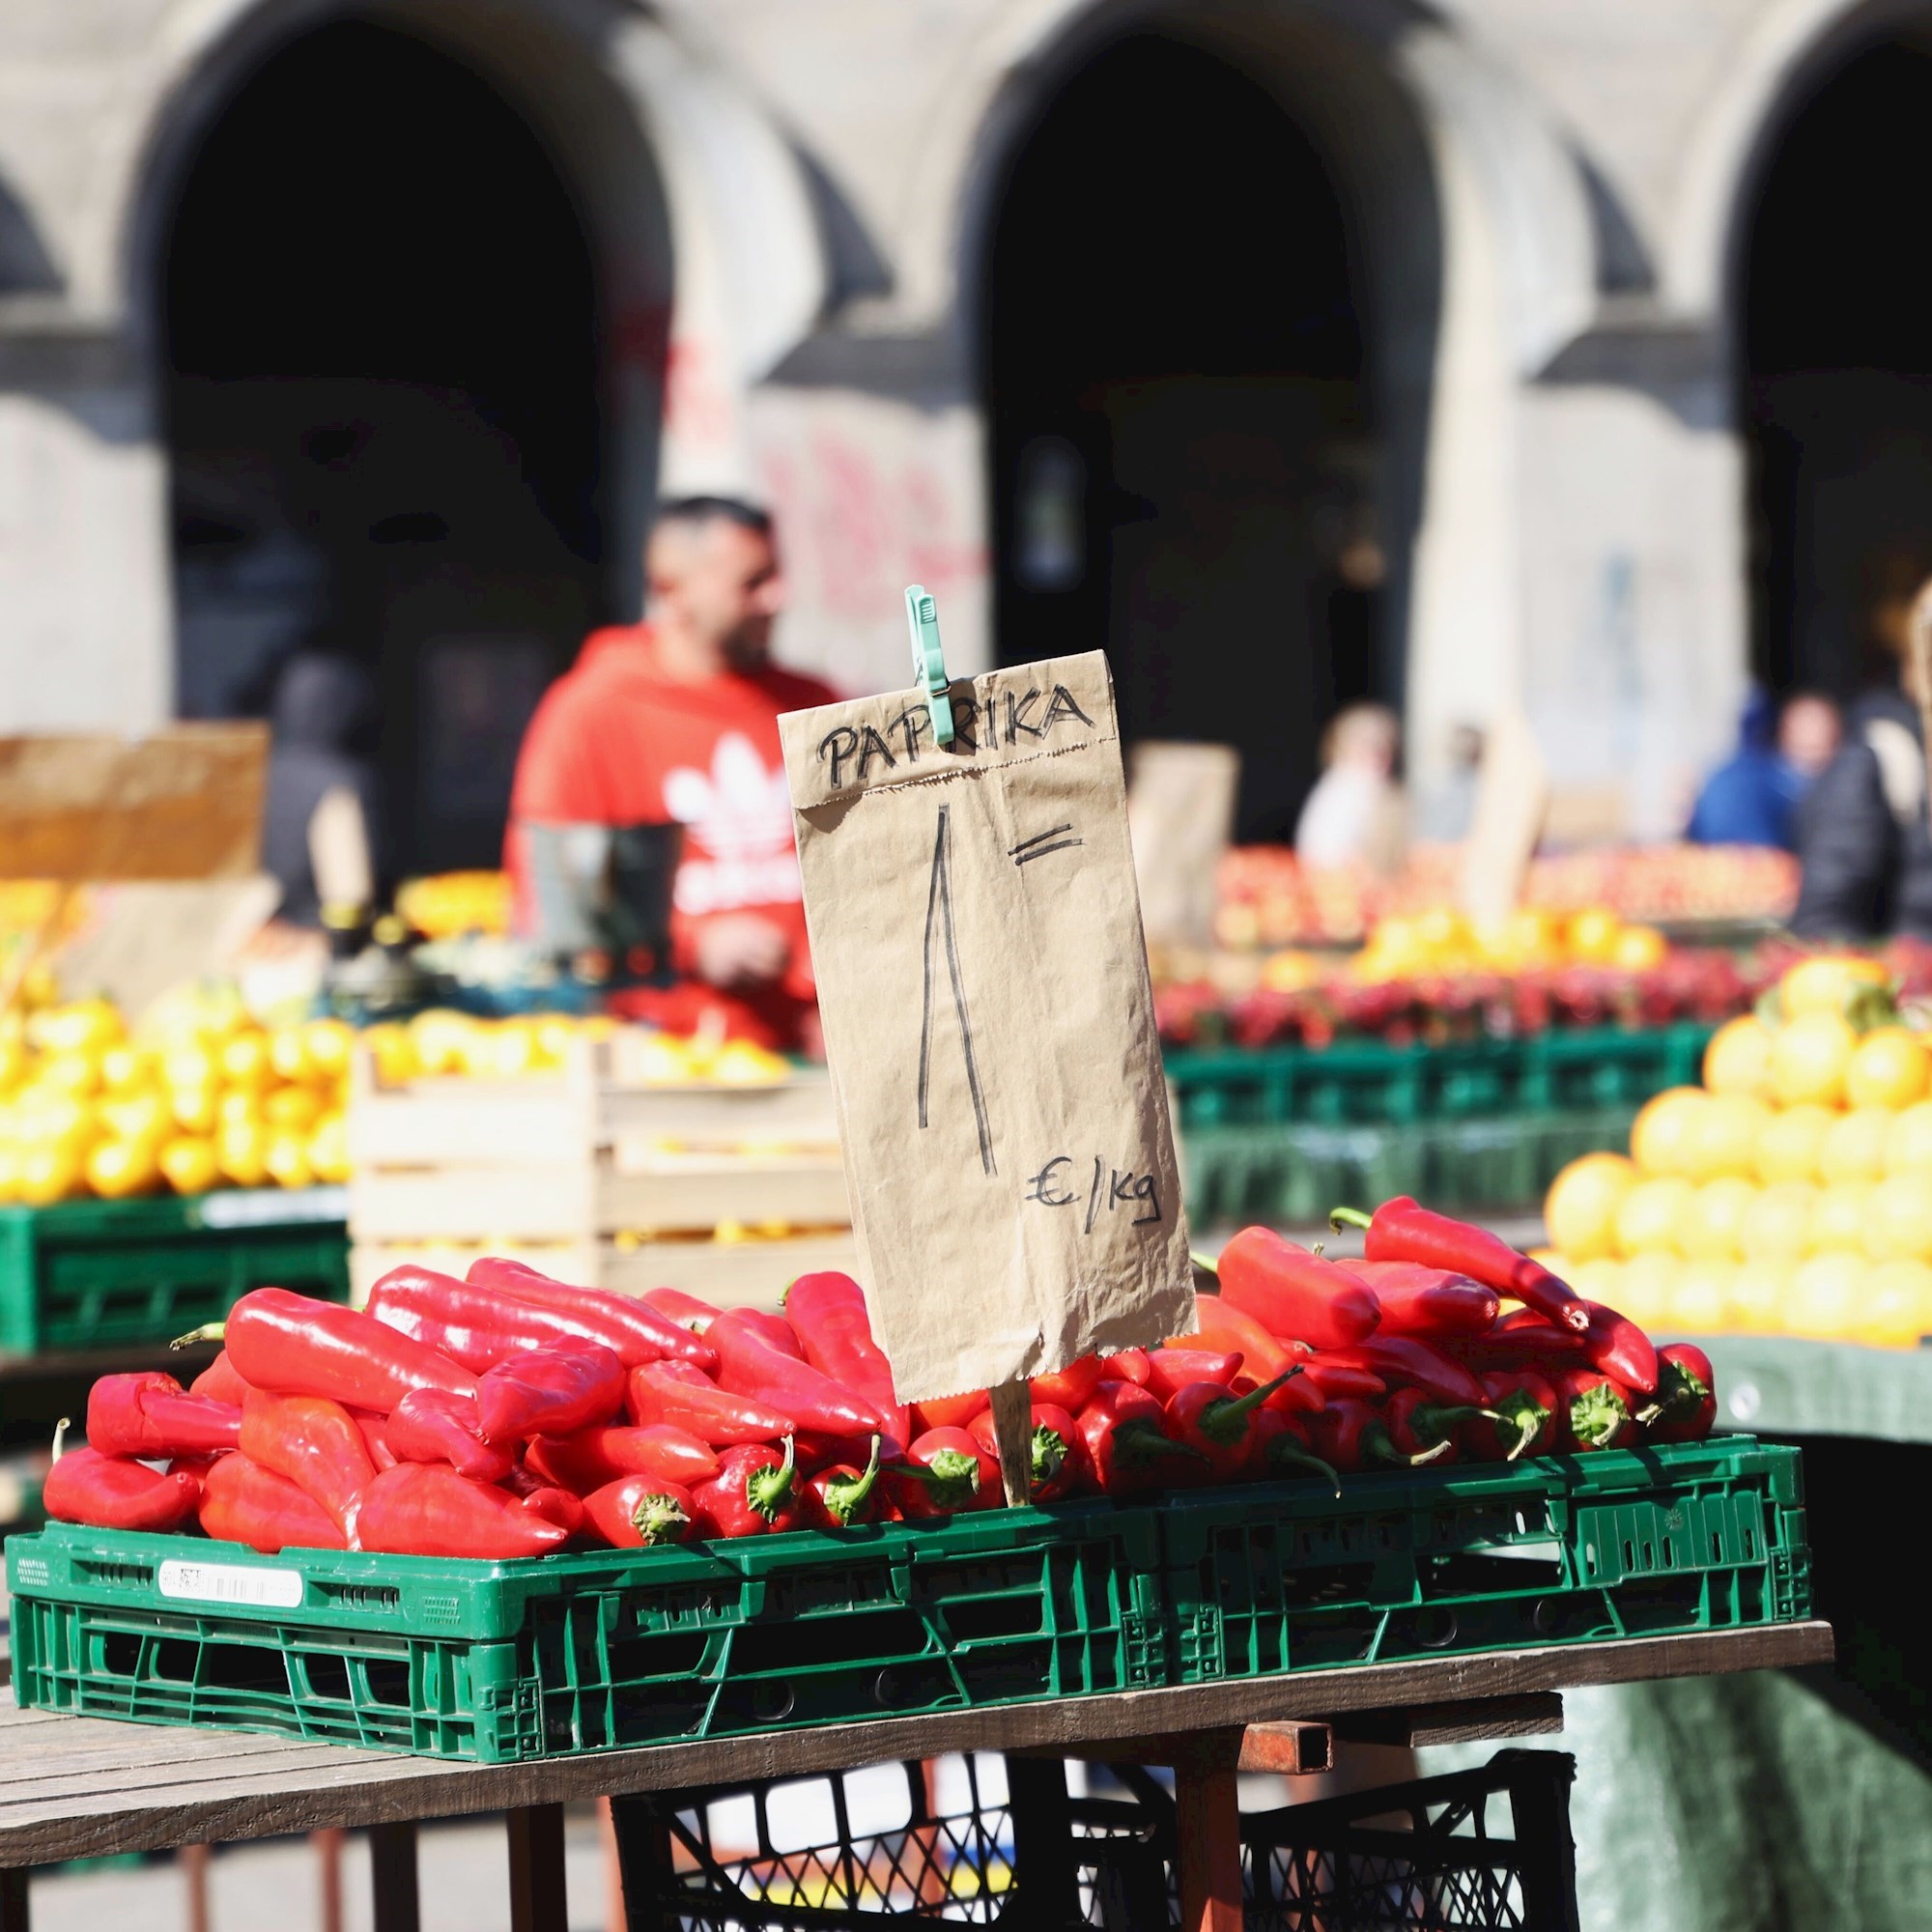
[(1561, 1550), (95, 1274), (502, 1661)]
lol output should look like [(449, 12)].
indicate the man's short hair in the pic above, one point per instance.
[(697, 511)]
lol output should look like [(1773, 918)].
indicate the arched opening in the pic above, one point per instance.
[(379, 329), (1836, 354), (1189, 460)]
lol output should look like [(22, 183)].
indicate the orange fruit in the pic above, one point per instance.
[(1788, 1144), (1639, 948), (192, 1064), (1889, 1070), (1651, 1216), (1839, 1216), (147, 1115), (10, 1171), (286, 1158), (292, 1107), (1853, 1146), (245, 1065), (1907, 1148), (189, 1165), (1759, 1292), (82, 1026), (1822, 985), (1699, 1297), (1591, 934), (1713, 1224), (49, 1172), (1723, 1136), (1808, 1061), (238, 1104), (1898, 1224), (1580, 1208), (117, 1169), (1778, 1224), (1649, 1281), (1599, 1280), (1825, 1295), (328, 1149), (287, 1053), (241, 1147), (329, 1044), (124, 1069), (1661, 1140), (1738, 1059), (388, 1044), (1896, 1307), (77, 1072)]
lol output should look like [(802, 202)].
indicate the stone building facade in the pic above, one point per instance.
[(1486, 354)]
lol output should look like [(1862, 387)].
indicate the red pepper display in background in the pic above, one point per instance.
[(840, 1495), (1350, 1436), (1069, 1387), (315, 1443), (639, 1512), (481, 1327), (755, 1489), (294, 1345), (949, 1412), (1330, 1380), (1685, 1407), (748, 1365), (689, 1310), (433, 1426), (218, 1383), (1205, 1416), (1056, 1462), (1224, 1328), (1129, 1365), (1527, 1404), (679, 1396), (1280, 1446), (1417, 1423), (1593, 1410), (666, 1340), (243, 1502), (151, 1414), (827, 1311), (550, 1391), (1128, 1445), (594, 1458), (944, 1470), (426, 1509), (1293, 1293), (1411, 1361), (1427, 1301), (1170, 1369), (1402, 1231), (115, 1492)]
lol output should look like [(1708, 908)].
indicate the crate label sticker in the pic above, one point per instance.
[(231, 1583)]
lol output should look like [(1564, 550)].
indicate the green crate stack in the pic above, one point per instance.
[(502, 1661), (95, 1274)]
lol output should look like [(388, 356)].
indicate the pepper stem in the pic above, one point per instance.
[(61, 1429), (1284, 1450), (1685, 1390), (847, 1497), (657, 1519), (1348, 1217), (1207, 1263), (1139, 1440), (1227, 1420), (1046, 1455), (768, 1490), (951, 1478), (209, 1331)]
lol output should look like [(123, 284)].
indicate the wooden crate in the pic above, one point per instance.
[(596, 1178)]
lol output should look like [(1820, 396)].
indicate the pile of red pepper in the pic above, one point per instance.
[(509, 1414)]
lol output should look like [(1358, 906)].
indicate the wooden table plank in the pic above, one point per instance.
[(300, 1787)]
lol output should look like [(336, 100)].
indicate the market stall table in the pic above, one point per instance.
[(74, 1787)]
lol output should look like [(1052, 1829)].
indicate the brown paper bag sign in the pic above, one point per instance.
[(976, 934)]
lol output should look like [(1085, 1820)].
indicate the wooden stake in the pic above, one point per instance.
[(1012, 1430)]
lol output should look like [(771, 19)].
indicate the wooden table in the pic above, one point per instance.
[(80, 1787)]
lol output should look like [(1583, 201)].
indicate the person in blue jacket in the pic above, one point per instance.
[(1752, 798)]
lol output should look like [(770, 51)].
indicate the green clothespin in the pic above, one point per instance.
[(928, 661)]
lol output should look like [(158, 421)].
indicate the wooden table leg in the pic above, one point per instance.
[(327, 1843), (193, 1863), (537, 1903), (1043, 1867), (13, 1899), (392, 1877), (1207, 1822)]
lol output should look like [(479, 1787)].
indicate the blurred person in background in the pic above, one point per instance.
[(324, 716), (1864, 839), (1752, 798), (1444, 813), (1355, 816), (676, 720)]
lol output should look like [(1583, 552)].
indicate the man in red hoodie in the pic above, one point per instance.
[(676, 718)]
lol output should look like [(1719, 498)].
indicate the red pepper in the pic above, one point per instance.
[(944, 1470), (374, 1434), (1402, 1231), (1686, 1404), (657, 1334), (1223, 1327), (1427, 1301), (827, 1311), (1332, 1380), (750, 1365), (1350, 1435), (637, 1512), (426, 1509), (315, 1443), (481, 1326), (116, 1492), (1293, 1293), (755, 1489), (549, 1391), (295, 1345), (949, 1412), (1129, 1365), (1279, 1446), (1129, 1447), (243, 1502), (1406, 1359), (1069, 1387), (1056, 1463), (149, 1414), (433, 1426), (1592, 1410), (1519, 1341), (1170, 1369), (1206, 1417), (218, 1383), (596, 1457), (681, 1397), (689, 1310), (1527, 1405), (551, 1503), (840, 1495), (1417, 1423), (1616, 1345)]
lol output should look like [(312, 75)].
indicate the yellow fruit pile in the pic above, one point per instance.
[(1408, 946), (203, 1098), (1790, 1194), (446, 906), (442, 1041)]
